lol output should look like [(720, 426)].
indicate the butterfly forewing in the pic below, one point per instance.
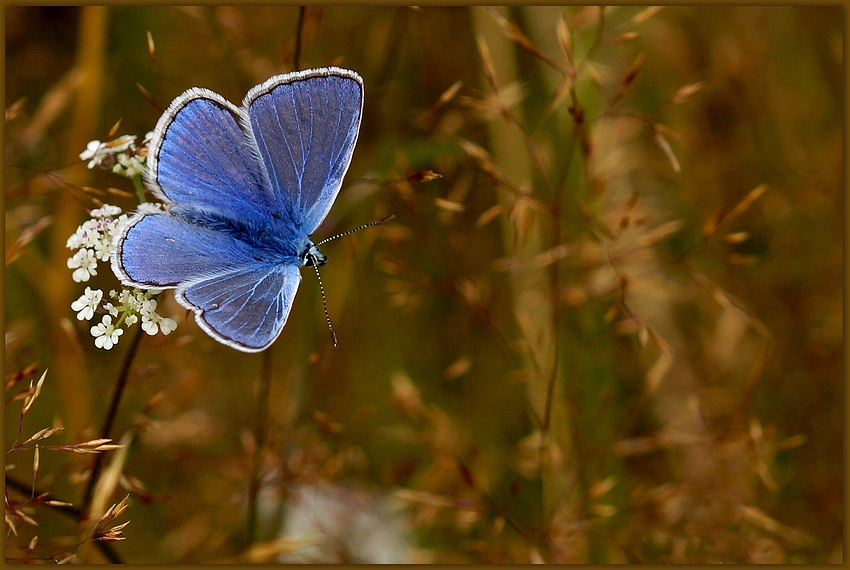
[(305, 127), (201, 158), (159, 250)]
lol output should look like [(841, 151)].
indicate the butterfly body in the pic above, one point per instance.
[(243, 190)]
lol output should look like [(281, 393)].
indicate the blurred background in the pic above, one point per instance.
[(609, 331)]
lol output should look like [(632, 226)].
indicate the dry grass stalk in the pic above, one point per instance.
[(482, 157), (562, 30), (122, 193), (713, 224), (489, 215), (52, 105), (760, 519), (627, 80), (15, 378), (458, 368), (747, 201), (266, 552), (108, 481), (15, 109), (151, 46), (405, 395), (736, 237), (44, 434), (668, 151), (644, 15), (32, 394), (87, 447), (659, 233), (448, 205), (25, 238), (626, 37), (113, 512), (685, 92), (513, 32)]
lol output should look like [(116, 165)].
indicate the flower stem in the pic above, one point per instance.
[(140, 190), (120, 384)]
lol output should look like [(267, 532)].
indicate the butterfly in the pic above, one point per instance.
[(243, 189)]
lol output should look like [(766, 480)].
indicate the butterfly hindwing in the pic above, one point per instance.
[(244, 308), (305, 126)]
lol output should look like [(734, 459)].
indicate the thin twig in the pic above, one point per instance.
[(296, 59), (120, 384), (70, 511)]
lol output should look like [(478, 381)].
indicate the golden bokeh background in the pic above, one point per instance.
[(610, 331)]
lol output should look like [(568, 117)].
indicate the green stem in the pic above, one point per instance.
[(140, 190)]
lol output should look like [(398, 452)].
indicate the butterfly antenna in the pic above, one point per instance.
[(324, 301), (315, 265), (369, 225)]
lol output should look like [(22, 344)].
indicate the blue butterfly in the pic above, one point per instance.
[(243, 190)]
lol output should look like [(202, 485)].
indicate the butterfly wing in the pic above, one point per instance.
[(273, 166), (238, 298), (201, 159), (161, 251), (244, 308), (305, 126)]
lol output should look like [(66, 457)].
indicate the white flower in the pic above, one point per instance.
[(111, 309), (105, 334), (75, 241), (129, 165), (93, 152), (148, 306), (84, 264), (151, 321), (96, 234), (105, 153), (115, 226), (105, 211), (87, 304), (103, 248), (167, 325), (90, 232), (130, 299)]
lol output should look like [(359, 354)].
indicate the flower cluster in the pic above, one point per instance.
[(120, 155), (129, 305), (93, 242)]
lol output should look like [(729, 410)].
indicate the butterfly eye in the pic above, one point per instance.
[(314, 258)]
